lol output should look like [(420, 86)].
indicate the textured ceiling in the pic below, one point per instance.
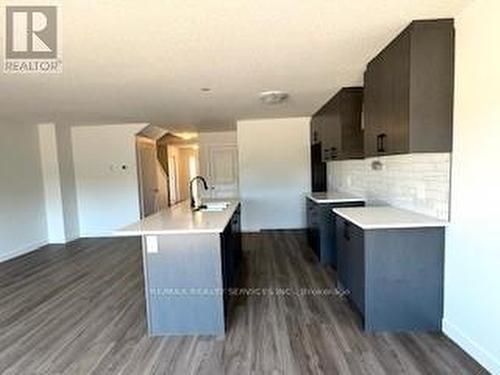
[(146, 61)]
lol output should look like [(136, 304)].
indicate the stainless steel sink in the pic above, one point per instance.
[(216, 206)]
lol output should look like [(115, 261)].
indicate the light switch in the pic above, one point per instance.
[(152, 244)]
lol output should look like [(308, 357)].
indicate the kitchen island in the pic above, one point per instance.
[(190, 259)]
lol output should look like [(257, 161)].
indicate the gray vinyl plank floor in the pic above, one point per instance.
[(80, 309)]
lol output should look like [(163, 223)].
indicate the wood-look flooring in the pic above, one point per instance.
[(79, 309)]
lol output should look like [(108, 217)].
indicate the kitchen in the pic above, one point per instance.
[(276, 226), (395, 287)]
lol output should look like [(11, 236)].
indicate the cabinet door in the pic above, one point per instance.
[(352, 134), (357, 257), (330, 140), (315, 130), (343, 261), (236, 243), (309, 221), (387, 80), (313, 227), (328, 248), (395, 64), (372, 110), (227, 256), (351, 261), (328, 120)]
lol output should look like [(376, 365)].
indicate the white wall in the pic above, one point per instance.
[(274, 169), (56, 156), (22, 211), (207, 140), (67, 181), (49, 159), (108, 196), (417, 182), (472, 276)]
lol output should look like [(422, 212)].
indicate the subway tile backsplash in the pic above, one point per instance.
[(417, 182)]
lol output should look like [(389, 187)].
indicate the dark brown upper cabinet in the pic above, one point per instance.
[(408, 96), (337, 126)]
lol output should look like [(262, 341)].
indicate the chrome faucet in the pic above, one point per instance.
[(191, 183)]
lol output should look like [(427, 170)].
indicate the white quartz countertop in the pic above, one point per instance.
[(180, 219), (387, 217), (334, 197)]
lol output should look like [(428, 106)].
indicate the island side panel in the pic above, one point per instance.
[(184, 285), (404, 279)]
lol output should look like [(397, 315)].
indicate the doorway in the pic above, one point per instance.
[(183, 166), (166, 165), (152, 178), (223, 171)]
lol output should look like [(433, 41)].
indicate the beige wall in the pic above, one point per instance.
[(472, 276)]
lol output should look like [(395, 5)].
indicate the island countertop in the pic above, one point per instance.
[(387, 217), (181, 219), (334, 197)]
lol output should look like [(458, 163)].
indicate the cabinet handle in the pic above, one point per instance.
[(346, 231), (333, 153), (380, 142)]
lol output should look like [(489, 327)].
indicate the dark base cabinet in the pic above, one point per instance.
[(321, 229), (394, 277), (231, 251)]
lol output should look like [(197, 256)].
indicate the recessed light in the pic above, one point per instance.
[(273, 97), (205, 89)]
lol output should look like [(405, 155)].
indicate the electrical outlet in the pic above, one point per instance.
[(152, 244)]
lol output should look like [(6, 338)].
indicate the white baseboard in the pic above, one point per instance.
[(483, 356), (98, 235), (71, 239), (22, 250), (57, 241)]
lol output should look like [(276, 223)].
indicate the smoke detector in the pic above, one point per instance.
[(273, 97)]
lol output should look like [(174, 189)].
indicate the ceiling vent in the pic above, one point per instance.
[(273, 97)]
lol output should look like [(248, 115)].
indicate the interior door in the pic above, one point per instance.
[(223, 171)]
